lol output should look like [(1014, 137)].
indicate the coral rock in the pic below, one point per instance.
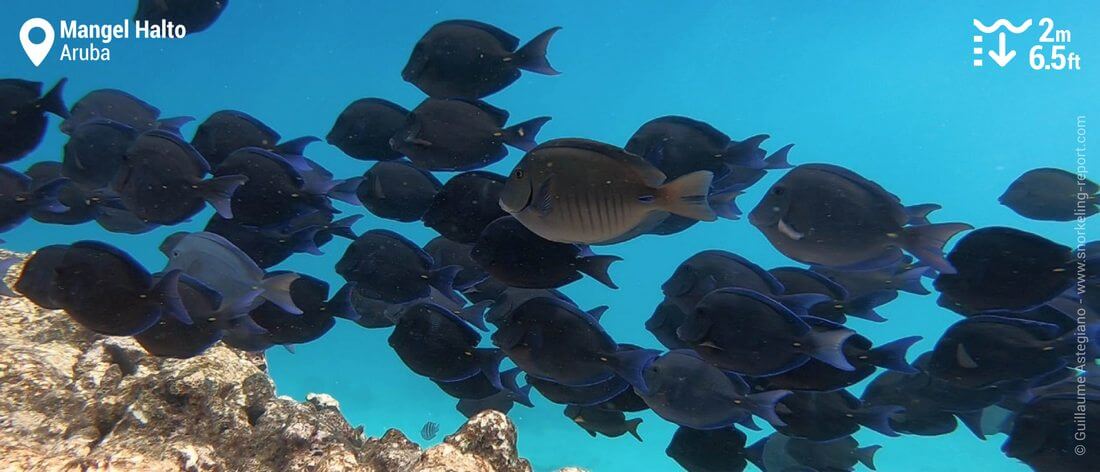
[(74, 400)]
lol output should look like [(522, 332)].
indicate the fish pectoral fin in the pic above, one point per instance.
[(964, 359), (543, 200)]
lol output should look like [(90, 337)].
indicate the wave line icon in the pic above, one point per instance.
[(1002, 23)]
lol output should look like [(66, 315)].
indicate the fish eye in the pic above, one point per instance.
[(176, 253), (779, 191), (519, 173)]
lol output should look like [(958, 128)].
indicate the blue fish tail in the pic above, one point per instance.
[(166, 291), (522, 135), (892, 355), (926, 243), (532, 56), (218, 191)]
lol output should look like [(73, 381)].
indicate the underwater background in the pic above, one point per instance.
[(886, 89)]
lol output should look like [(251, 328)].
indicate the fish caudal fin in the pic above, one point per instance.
[(276, 289), (218, 191), (630, 364), (532, 56), (488, 359), (828, 347), (724, 205), (475, 314), (910, 281), (864, 306), (778, 159), (522, 135), (866, 456), (509, 379), (53, 102), (892, 355), (345, 191), (597, 266), (763, 405), (877, 418), (687, 196), (443, 279), (926, 242), (166, 292), (342, 227), (632, 428)]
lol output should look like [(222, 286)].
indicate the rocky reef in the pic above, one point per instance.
[(74, 400)]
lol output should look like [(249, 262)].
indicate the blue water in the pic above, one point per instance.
[(884, 88)]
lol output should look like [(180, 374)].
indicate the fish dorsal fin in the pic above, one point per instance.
[(508, 41), (651, 175)]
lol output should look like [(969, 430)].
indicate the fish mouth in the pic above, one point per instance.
[(789, 230)]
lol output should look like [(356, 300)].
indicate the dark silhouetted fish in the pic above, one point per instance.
[(117, 106), (714, 450), (816, 375), (23, 115), (19, 198), (37, 280), (683, 388), (556, 341), (226, 131), (363, 130), (449, 253), (81, 205), (982, 351), (606, 422), (1051, 195), (1002, 268), (437, 344), (712, 269), (310, 295), (743, 331), (95, 151), (396, 190), (454, 134), (585, 395), (664, 322), (161, 180), (827, 416), (171, 338), (839, 454), (465, 205), (1051, 433), (796, 280), (582, 191), (107, 291), (275, 191), (513, 254), (389, 267), (470, 59), (828, 215)]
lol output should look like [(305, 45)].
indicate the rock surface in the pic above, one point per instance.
[(74, 400)]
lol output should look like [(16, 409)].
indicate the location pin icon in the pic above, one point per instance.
[(37, 52)]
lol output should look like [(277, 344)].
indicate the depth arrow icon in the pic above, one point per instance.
[(1002, 57)]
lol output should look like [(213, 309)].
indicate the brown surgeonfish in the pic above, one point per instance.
[(586, 192)]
